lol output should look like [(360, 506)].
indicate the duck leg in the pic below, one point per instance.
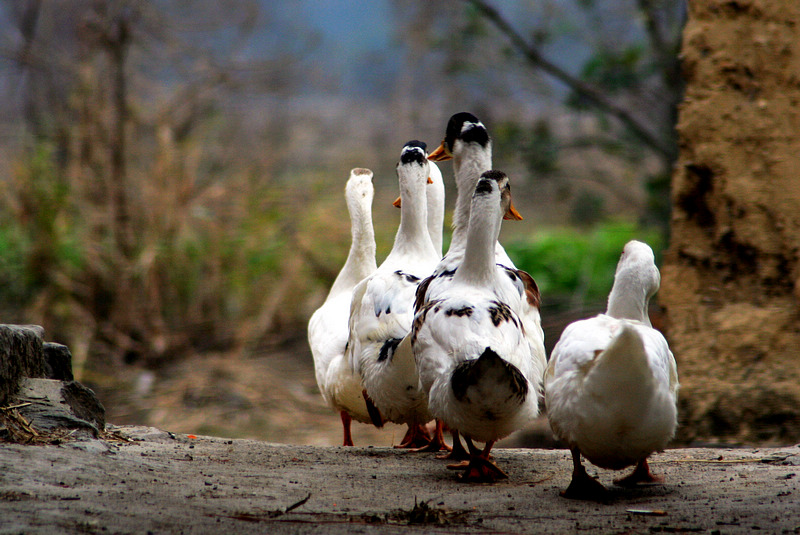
[(436, 443), (583, 486), (480, 468), (416, 437), (640, 474), (457, 452), (346, 420)]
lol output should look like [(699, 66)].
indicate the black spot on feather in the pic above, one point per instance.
[(460, 312), (419, 319), (374, 414), (500, 312), (388, 348), (420, 295), (447, 273)]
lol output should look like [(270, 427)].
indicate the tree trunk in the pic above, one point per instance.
[(731, 277)]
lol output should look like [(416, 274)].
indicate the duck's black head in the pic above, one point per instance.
[(414, 151), (466, 127)]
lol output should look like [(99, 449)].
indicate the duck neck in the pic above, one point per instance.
[(478, 265), (629, 297), (469, 162), (360, 261), (412, 235), (435, 199)]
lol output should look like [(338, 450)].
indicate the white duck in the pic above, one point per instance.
[(327, 328), (611, 384), (382, 308), (482, 377), (468, 144)]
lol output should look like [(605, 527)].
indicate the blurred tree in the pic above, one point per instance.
[(134, 143), (619, 63)]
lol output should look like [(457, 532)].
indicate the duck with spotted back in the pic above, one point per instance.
[(481, 375), (382, 309)]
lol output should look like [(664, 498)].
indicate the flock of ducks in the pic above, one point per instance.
[(457, 339)]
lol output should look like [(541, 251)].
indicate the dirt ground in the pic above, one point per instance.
[(171, 483)]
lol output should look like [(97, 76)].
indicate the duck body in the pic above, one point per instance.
[(328, 326), (468, 144), (611, 384), (611, 390), (475, 362), (382, 307)]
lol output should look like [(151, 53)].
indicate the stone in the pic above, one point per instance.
[(50, 405), (57, 362), (21, 355)]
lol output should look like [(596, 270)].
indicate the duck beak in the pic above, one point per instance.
[(512, 213), (441, 154), (397, 202), (430, 180)]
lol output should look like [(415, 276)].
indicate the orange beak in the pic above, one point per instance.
[(430, 180), (512, 213), (397, 202), (441, 154)]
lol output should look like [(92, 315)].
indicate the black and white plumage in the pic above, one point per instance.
[(382, 308), (475, 362), (612, 382), (468, 144), (328, 326)]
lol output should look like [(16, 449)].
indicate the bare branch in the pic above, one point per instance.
[(592, 95)]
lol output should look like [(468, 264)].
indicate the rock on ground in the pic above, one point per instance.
[(164, 483)]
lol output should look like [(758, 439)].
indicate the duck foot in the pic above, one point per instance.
[(583, 486), (416, 437), (480, 469), (437, 443), (641, 474)]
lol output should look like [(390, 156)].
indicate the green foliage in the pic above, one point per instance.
[(613, 71), (39, 238), (577, 264)]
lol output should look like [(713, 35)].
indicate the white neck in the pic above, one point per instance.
[(478, 265), (412, 236), (630, 295), (435, 200), (360, 261), (470, 160)]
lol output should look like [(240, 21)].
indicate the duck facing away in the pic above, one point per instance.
[(382, 306), (481, 375), (327, 328), (611, 384)]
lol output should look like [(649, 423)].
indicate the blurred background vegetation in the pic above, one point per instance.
[(171, 173)]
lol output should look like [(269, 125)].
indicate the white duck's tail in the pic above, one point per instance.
[(622, 368), (489, 381)]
